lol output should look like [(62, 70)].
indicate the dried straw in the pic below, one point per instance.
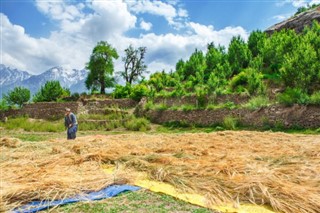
[(275, 169)]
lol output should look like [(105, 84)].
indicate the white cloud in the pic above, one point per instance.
[(281, 17), (171, 11), (145, 25), (72, 44), (297, 3)]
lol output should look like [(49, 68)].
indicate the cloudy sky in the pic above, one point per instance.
[(39, 34)]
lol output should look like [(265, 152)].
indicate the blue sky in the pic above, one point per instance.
[(39, 34)]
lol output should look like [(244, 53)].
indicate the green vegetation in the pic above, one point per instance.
[(257, 102), (139, 201), (101, 67), (138, 124), (51, 91), (304, 9), (33, 125), (17, 96)]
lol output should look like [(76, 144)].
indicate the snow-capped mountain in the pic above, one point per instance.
[(10, 75), (69, 78), (66, 77)]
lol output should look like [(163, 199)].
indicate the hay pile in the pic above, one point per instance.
[(275, 169)]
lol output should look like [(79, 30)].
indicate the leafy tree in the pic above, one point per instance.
[(256, 42), (180, 68), (101, 67), (51, 91), (276, 47), (300, 69), (195, 64), (215, 59), (134, 66), (17, 96), (239, 55)]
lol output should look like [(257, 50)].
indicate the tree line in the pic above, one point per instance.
[(284, 60)]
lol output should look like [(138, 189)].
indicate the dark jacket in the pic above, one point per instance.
[(70, 119)]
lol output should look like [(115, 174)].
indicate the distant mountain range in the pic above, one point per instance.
[(70, 78)]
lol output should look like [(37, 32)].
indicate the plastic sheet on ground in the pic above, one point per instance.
[(108, 192)]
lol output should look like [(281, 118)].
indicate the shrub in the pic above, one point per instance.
[(315, 98), (186, 107), (230, 122), (4, 105), (51, 91), (293, 96), (201, 94), (139, 91), (161, 107), (122, 91), (138, 124), (257, 102)]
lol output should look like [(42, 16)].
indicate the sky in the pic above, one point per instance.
[(37, 35)]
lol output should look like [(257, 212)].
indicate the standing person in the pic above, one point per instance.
[(71, 124)]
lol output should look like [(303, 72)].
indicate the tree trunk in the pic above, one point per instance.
[(102, 87)]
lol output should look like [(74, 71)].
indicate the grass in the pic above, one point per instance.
[(139, 201), (257, 102)]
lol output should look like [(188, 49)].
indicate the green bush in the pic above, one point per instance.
[(257, 102), (122, 91), (293, 96), (51, 91), (230, 122), (138, 124), (315, 98), (139, 91), (186, 107), (3, 105), (161, 107)]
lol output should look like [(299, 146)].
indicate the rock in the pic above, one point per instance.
[(298, 22)]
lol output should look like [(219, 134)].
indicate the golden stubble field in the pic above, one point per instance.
[(276, 169)]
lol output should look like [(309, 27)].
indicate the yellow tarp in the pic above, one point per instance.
[(196, 199)]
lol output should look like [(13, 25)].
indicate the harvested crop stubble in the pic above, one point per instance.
[(275, 169)]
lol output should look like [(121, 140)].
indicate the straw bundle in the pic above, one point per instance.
[(275, 169)]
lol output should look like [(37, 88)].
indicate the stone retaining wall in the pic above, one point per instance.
[(192, 100), (53, 110), (287, 117)]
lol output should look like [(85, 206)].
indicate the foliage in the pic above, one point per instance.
[(138, 124), (31, 125), (139, 91), (3, 105), (51, 91), (239, 55), (293, 96), (201, 94), (257, 102), (248, 80), (101, 67), (299, 68), (195, 64), (315, 98), (230, 122), (134, 66), (17, 96), (122, 91), (256, 42), (306, 8)]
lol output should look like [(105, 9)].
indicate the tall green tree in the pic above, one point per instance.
[(17, 96), (101, 67), (256, 42), (134, 66), (239, 55), (195, 64), (51, 91)]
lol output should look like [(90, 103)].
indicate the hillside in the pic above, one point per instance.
[(297, 22)]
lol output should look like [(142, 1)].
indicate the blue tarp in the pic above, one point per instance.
[(110, 191)]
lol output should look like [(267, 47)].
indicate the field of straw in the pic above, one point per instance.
[(275, 169)]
